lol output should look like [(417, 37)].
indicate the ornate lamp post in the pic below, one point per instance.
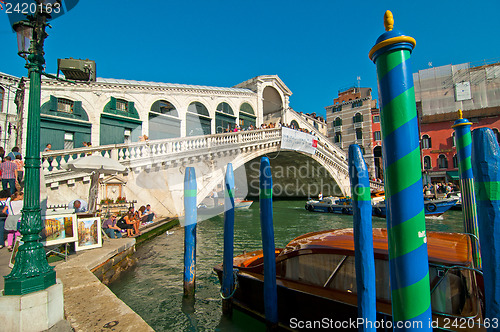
[(31, 272)]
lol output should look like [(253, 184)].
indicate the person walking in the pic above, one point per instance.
[(9, 175)]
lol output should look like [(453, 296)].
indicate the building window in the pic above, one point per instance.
[(453, 142), (427, 162), (426, 142), (376, 118), (442, 161), (359, 134), (378, 137), (357, 118), (455, 161), (337, 122), (357, 103), (68, 141), (2, 94), (337, 108), (64, 105), (338, 138), (122, 105)]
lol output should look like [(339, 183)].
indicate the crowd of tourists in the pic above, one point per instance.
[(269, 125)]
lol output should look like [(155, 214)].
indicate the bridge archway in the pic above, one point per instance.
[(273, 102), (198, 120), (163, 120), (240, 159)]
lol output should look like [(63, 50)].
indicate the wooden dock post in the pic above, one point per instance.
[(363, 238), (191, 215), (227, 268), (486, 170), (266, 225)]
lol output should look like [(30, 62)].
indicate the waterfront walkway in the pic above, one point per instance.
[(88, 304)]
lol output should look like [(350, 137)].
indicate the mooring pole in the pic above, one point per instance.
[(191, 215), (363, 238), (266, 225), (227, 268), (408, 261), (463, 141), (486, 169)]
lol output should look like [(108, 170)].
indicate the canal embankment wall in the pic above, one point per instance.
[(89, 305)]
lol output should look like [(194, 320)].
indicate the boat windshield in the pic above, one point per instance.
[(453, 290)]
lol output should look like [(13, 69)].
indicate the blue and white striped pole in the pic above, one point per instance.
[(486, 169), (363, 238), (191, 215), (227, 268), (266, 225)]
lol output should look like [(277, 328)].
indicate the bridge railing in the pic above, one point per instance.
[(137, 153)]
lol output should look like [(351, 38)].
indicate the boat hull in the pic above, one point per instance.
[(296, 307)]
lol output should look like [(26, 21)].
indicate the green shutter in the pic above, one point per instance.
[(131, 107), (112, 103), (53, 103)]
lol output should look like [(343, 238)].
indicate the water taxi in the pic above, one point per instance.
[(316, 279), (434, 207), (339, 205)]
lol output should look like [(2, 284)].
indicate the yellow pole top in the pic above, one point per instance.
[(388, 20), (460, 115)]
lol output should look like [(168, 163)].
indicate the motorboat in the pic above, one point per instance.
[(433, 207), (339, 205), (239, 204), (315, 275)]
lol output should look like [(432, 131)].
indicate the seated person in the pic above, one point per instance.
[(131, 219), (143, 216), (149, 213), (79, 205), (126, 222), (111, 229)]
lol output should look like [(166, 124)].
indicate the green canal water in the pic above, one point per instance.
[(154, 287)]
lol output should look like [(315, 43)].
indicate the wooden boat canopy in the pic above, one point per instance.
[(443, 248)]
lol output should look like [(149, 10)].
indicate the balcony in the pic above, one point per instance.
[(359, 142), (337, 129), (358, 125)]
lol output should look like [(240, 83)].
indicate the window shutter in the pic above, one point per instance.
[(112, 103), (77, 108), (130, 107), (53, 103)]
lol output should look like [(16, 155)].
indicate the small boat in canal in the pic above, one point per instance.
[(339, 205), (239, 204), (315, 275), (434, 207), (343, 205)]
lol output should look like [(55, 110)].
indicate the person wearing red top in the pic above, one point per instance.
[(9, 175)]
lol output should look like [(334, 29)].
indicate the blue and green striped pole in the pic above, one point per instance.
[(266, 225), (463, 141), (363, 238), (191, 215), (408, 261), (486, 169), (227, 265)]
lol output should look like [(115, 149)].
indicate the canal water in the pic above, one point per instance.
[(154, 287)]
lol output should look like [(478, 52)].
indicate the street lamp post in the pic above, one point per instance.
[(31, 272)]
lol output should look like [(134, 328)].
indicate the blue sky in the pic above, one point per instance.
[(316, 47)]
